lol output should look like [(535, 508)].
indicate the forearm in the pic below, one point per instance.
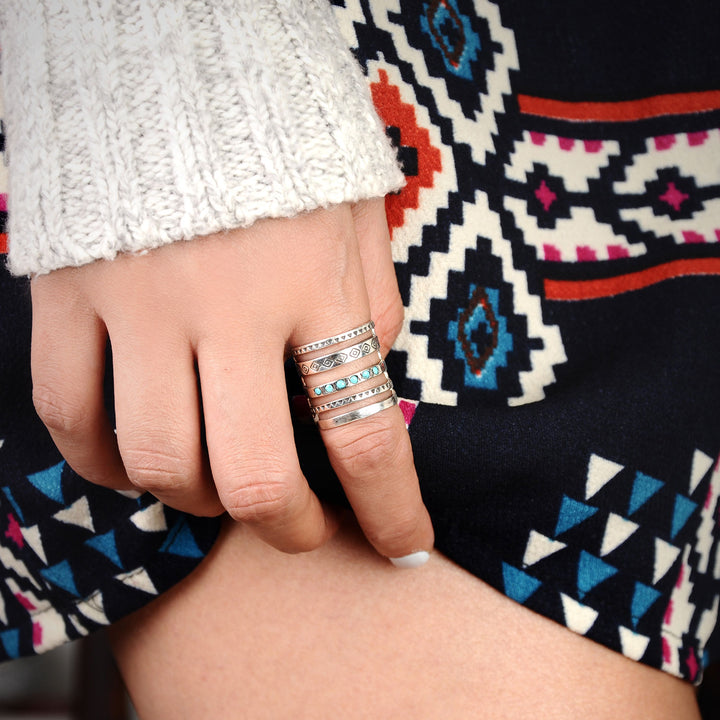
[(133, 125)]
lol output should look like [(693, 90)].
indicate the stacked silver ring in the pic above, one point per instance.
[(345, 394)]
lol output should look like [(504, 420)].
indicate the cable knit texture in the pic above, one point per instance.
[(136, 123)]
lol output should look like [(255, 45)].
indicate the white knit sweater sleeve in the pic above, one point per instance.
[(136, 123)]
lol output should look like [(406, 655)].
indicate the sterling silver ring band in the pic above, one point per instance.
[(359, 414)]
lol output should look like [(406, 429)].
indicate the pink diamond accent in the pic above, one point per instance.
[(690, 236), (13, 532), (408, 409), (697, 138), (617, 251), (592, 146), (552, 253), (664, 142), (673, 196), (692, 664), (37, 633), (585, 254), (545, 195), (24, 601), (537, 138), (566, 143)]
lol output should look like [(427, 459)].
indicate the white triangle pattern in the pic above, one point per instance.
[(578, 617), (600, 472), (701, 463), (31, 535), (3, 611), (77, 514), (81, 629), (138, 579), (150, 519), (617, 530), (665, 555), (540, 546), (633, 644), (93, 608)]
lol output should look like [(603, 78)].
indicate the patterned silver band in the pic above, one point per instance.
[(350, 399), (327, 342), (358, 414), (348, 354)]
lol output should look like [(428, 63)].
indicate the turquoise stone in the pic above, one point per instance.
[(376, 370), (340, 384), (354, 379), (365, 374), (328, 388), (318, 391)]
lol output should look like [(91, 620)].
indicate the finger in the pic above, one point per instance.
[(374, 244), (373, 459), (346, 381), (251, 446), (159, 425), (68, 366)]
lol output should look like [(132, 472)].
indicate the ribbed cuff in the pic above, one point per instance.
[(132, 124)]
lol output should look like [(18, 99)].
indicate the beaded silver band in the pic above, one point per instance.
[(348, 354), (350, 381), (350, 399), (358, 414), (355, 332)]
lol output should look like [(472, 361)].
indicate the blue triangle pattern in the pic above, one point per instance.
[(518, 585), (49, 482), (643, 597), (682, 511), (11, 642), (180, 541), (591, 572), (13, 502), (572, 513), (62, 576), (106, 545), (644, 487)]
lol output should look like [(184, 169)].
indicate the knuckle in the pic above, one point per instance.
[(153, 469), (264, 495), (58, 413), (368, 449)]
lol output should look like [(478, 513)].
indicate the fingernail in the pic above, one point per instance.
[(413, 560)]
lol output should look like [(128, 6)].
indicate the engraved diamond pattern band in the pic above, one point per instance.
[(343, 386), (328, 362)]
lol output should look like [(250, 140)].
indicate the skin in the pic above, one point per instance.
[(256, 634)]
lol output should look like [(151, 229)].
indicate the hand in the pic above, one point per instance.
[(199, 332)]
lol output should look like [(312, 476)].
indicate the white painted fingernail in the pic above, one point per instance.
[(413, 560)]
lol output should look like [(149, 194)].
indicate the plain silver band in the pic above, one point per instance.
[(346, 355), (359, 414), (350, 399), (319, 344)]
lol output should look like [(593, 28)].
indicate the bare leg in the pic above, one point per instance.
[(340, 633)]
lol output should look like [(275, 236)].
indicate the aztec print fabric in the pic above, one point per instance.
[(558, 250)]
